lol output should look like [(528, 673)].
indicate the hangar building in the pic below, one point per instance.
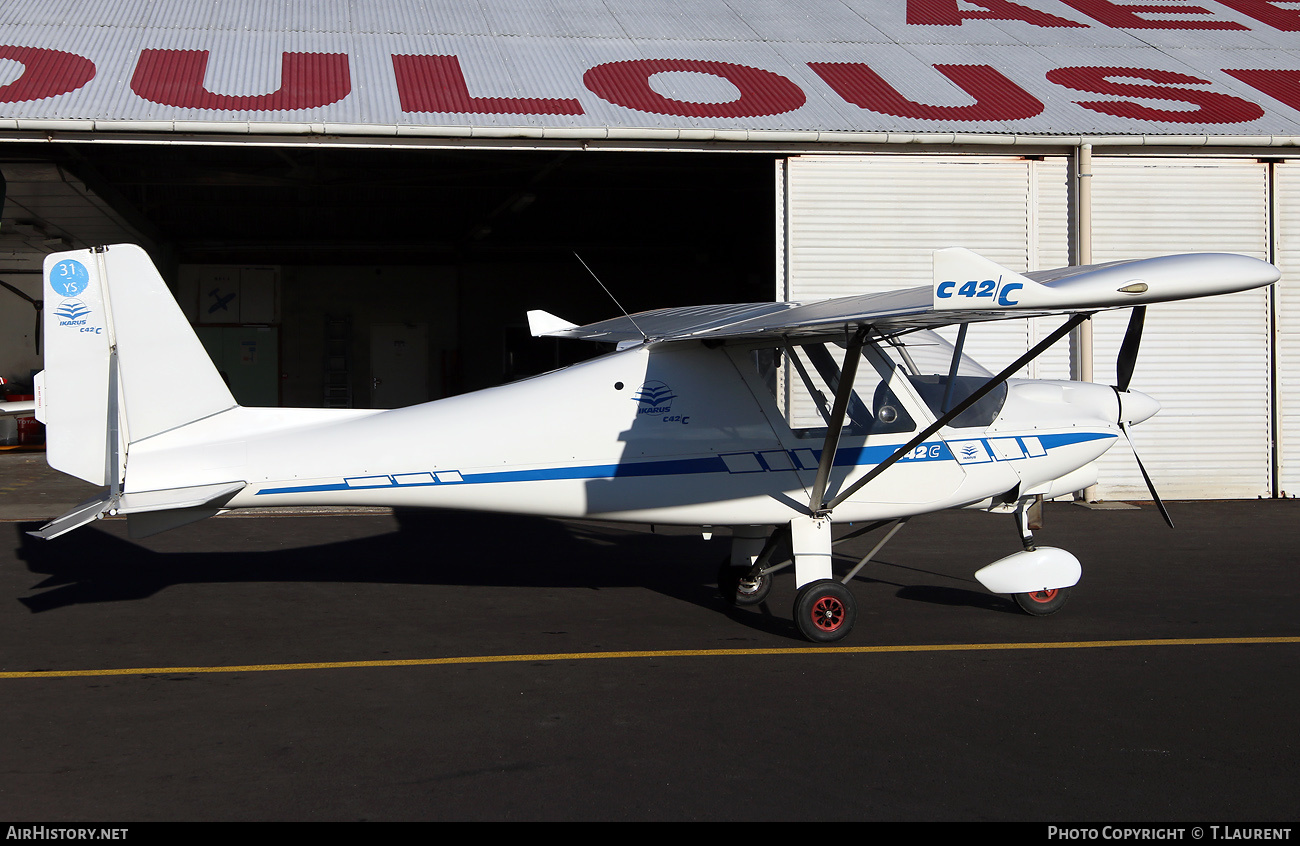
[(356, 202)]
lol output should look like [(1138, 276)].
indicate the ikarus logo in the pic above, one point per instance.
[(72, 313), (657, 398), (654, 398)]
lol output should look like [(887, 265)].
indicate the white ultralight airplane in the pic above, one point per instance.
[(776, 419)]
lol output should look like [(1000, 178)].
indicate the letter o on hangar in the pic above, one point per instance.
[(627, 84)]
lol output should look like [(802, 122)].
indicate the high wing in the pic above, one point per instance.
[(966, 288)]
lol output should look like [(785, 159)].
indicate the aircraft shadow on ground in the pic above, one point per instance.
[(429, 547), (95, 565), (943, 594)]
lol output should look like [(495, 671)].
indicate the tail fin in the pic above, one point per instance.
[(121, 361)]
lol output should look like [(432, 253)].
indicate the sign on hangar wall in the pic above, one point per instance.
[(1057, 67)]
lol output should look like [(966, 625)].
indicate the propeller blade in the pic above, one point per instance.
[(1155, 497), (1128, 350)]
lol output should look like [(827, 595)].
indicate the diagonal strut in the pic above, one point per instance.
[(979, 394)]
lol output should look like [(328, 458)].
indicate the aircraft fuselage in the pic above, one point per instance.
[(667, 433)]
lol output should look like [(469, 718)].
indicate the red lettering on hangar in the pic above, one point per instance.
[(627, 84), (1125, 16), (438, 84), (1212, 107), (1269, 12), (949, 13), (1108, 12), (46, 73), (1113, 14), (307, 81), (1281, 85), (996, 97)]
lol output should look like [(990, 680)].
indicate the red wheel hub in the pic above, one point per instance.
[(828, 614), (1043, 595)]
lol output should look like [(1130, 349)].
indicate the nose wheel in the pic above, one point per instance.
[(824, 611), (1040, 603)]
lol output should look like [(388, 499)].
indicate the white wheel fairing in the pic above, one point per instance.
[(1045, 568)]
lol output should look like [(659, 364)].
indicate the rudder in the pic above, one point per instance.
[(121, 361)]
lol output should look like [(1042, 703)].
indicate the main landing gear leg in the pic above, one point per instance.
[(824, 610)]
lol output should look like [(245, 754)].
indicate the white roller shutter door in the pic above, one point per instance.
[(1206, 361), (854, 224), (1286, 197), (857, 224)]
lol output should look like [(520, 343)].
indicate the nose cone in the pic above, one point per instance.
[(1135, 406)]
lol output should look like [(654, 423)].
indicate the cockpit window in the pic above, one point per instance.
[(927, 359), (809, 376), (803, 379)]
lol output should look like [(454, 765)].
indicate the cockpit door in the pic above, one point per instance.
[(884, 412)]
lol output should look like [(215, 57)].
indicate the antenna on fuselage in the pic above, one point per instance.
[(644, 336)]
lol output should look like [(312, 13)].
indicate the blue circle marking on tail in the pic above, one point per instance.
[(69, 278)]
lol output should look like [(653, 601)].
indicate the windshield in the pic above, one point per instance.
[(927, 360)]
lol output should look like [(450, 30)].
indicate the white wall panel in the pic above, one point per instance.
[(871, 223), (1206, 361), (1286, 194)]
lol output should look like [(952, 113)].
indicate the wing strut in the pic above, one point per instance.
[(955, 366), (843, 391), (951, 415)]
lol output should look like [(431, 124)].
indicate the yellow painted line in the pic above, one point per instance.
[(663, 653)]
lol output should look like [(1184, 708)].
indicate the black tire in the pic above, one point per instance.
[(824, 611), (736, 590), (1040, 603), (755, 592)]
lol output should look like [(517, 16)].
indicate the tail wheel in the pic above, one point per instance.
[(824, 611), (738, 590), (1040, 603), (753, 591)]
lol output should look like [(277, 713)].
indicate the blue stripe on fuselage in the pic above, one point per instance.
[(846, 457)]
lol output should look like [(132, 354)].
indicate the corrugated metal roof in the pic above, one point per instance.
[(636, 69)]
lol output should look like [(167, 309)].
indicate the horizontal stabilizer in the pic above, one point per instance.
[(138, 501), (207, 498), (87, 512), (18, 408)]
